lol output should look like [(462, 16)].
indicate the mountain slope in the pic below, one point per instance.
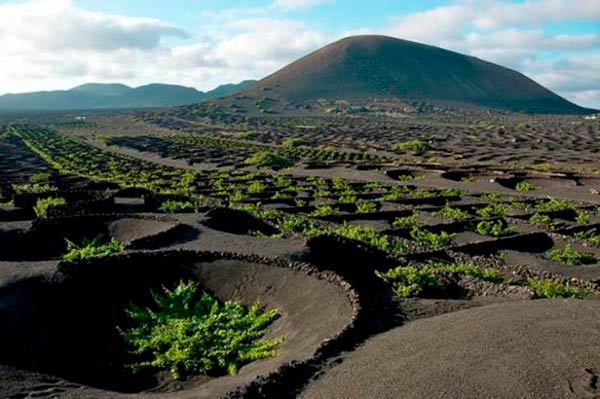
[(107, 96), (362, 67)]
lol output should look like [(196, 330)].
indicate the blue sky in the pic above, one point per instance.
[(58, 44)]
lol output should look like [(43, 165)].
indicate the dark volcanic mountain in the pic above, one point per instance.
[(107, 96), (363, 67)]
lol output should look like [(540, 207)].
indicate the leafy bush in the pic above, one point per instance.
[(582, 218), (431, 240), (453, 213), (40, 177), (295, 142), (410, 281), (256, 187), (570, 256), (416, 147), (268, 160), (406, 222), (468, 269), (590, 235), (44, 204), (35, 188), (525, 186), (171, 206), (92, 248), (363, 206), (450, 192), (298, 224), (540, 218), (370, 237), (186, 333), (493, 229), (492, 210), (552, 205), (548, 288), (325, 210)]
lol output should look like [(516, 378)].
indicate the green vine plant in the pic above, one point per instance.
[(189, 332), (92, 248)]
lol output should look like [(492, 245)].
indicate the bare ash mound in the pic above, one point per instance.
[(525, 349), (59, 336)]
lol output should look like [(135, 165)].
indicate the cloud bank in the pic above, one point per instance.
[(50, 44)]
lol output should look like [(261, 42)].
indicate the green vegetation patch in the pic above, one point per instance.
[(189, 332), (92, 248), (492, 210), (412, 281), (493, 229), (34, 188), (268, 160), (43, 205), (295, 142), (548, 288), (172, 206), (553, 205), (416, 147), (572, 257), (431, 240), (590, 235), (526, 186), (453, 213)]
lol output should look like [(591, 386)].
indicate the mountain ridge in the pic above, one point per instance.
[(113, 96)]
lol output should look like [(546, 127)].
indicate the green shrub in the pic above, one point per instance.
[(453, 213), (431, 240), (40, 177), (450, 192), (590, 235), (35, 188), (406, 222), (582, 218), (468, 269), (416, 147), (92, 248), (525, 186), (410, 281), (493, 229), (268, 160), (492, 210), (256, 187), (44, 204), (553, 205), (298, 224), (548, 288), (540, 218), (187, 332), (171, 206), (325, 210), (370, 237), (295, 142), (570, 256), (363, 206)]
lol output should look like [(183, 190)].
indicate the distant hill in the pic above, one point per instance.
[(364, 67), (113, 96)]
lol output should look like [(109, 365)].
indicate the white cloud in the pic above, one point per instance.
[(42, 54), (513, 35), (59, 25), (291, 4), (536, 12)]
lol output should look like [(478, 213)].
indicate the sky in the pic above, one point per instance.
[(59, 44)]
